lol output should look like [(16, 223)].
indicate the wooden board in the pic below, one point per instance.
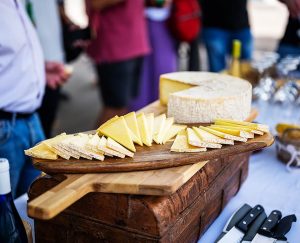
[(74, 187)]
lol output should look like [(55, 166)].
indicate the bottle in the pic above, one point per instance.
[(11, 226), (235, 68)]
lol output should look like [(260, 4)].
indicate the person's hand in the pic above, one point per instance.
[(294, 7), (55, 74)]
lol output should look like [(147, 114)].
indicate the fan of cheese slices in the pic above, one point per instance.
[(222, 132), (116, 137)]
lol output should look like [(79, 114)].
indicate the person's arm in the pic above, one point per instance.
[(103, 4), (293, 6), (56, 74)]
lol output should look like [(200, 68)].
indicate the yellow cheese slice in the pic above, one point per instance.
[(112, 144), (53, 141), (41, 151), (131, 122), (224, 135), (242, 128), (159, 122), (260, 127), (118, 131), (168, 124), (143, 127), (66, 150), (194, 140), (108, 121), (150, 123), (109, 152), (181, 144), (210, 138), (233, 131), (172, 132)]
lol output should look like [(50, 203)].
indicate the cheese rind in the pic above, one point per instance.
[(181, 145), (213, 96)]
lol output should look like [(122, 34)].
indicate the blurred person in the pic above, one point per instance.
[(224, 21), (119, 45), (290, 42), (163, 56), (23, 79)]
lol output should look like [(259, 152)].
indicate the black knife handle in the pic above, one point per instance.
[(255, 226), (270, 223), (283, 227), (250, 217)]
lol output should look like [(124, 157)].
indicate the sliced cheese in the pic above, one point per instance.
[(224, 135), (243, 128), (181, 144), (53, 141), (112, 144), (159, 122), (70, 152), (131, 122), (233, 131), (150, 123), (194, 140), (41, 151), (172, 132), (118, 130), (210, 138), (110, 152), (257, 126), (144, 129), (168, 124)]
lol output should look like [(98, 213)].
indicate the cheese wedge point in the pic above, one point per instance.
[(224, 135), (150, 123), (194, 140), (131, 122), (168, 123), (143, 127), (118, 131), (260, 127), (243, 128), (159, 122), (211, 138), (173, 131), (112, 144), (108, 122), (110, 152), (181, 145), (233, 131), (41, 151), (52, 141)]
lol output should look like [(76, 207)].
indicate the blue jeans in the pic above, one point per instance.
[(16, 135), (218, 44)]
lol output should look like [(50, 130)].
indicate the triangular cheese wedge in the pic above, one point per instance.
[(257, 126), (172, 132), (112, 144), (118, 131), (159, 122), (150, 123), (240, 127), (41, 151), (210, 138), (108, 121), (109, 152), (66, 150), (223, 135), (131, 122), (233, 131), (53, 141), (168, 123), (143, 127), (194, 140), (181, 144)]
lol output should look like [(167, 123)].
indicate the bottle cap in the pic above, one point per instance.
[(236, 52), (4, 165)]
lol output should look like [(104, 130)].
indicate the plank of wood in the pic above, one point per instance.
[(152, 182)]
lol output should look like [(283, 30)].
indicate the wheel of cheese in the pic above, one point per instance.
[(202, 97)]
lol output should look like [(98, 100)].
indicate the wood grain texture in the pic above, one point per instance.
[(73, 187)]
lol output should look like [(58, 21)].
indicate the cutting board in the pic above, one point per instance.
[(154, 157), (73, 187)]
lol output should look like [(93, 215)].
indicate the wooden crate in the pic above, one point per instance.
[(181, 217)]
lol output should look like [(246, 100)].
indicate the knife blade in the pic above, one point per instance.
[(234, 219), (283, 227), (264, 234), (236, 234), (253, 229)]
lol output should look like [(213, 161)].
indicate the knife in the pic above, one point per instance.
[(265, 234), (234, 219), (237, 233), (253, 229), (283, 227)]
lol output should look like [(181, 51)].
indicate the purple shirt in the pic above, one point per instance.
[(22, 71)]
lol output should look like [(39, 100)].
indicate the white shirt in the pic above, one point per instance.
[(22, 71)]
